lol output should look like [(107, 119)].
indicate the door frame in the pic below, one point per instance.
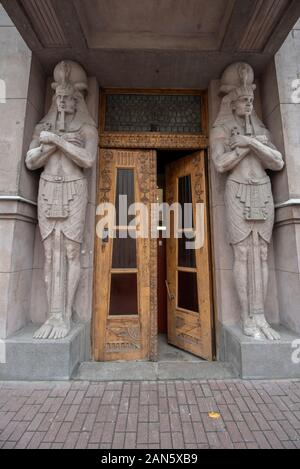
[(156, 141)]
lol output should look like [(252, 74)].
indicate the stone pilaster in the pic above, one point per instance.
[(282, 116), (19, 112)]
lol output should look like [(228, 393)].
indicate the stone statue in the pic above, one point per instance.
[(64, 143), (241, 146)]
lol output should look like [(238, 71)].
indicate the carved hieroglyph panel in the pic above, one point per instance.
[(153, 140), (187, 330), (121, 337)]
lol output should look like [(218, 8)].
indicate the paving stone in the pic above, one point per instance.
[(150, 415)]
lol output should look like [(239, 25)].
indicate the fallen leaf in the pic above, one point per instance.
[(214, 415)]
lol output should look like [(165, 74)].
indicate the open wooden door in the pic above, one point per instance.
[(188, 270), (124, 321)]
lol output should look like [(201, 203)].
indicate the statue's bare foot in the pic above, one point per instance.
[(251, 329), (265, 328), (61, 329), (56, 327)]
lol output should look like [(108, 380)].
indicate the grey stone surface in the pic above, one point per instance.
[(30, 359), (187, 371), (4, 18), (115, 371), (169, 353), (23, 78), (172, 364), (140, 371), (252, 359), (170, 45), (282, 115)]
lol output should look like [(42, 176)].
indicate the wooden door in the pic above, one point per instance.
[(125, 280), (188, 270)]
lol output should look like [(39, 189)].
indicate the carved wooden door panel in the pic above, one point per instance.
[(124, 321), (188, 270)]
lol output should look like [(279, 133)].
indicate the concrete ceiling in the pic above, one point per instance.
[(154, 43), (154, 24)]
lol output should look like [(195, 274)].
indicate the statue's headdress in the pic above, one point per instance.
[(237, 81), (70, 78)]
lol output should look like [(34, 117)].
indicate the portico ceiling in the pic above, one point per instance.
[(154, 43)]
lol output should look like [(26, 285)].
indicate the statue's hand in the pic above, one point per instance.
[(262, 139), (48, 147), (240, 141), (47, 138), (75, 139)]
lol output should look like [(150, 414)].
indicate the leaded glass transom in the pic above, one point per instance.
[(153, 113)]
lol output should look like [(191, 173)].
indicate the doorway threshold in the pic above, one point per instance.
[(172, 364)]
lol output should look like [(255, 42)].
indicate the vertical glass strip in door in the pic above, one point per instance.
[(187, 287), (124, 272)]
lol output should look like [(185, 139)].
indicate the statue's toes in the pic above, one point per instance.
[(63, 333), (58, 333), (54, 333), (276, 335), (43, 332), (271, 334)]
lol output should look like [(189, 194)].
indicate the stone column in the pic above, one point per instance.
[(281, 110), (21, 109)]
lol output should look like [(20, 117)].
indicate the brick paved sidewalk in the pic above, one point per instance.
[(150, 415)]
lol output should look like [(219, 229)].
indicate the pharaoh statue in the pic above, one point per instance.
[(242, 148), (64, 144)]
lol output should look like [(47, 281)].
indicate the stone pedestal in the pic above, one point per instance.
[(253, 359), (28, 359)]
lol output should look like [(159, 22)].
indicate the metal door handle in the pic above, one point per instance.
[(170, 295), (105, 236)]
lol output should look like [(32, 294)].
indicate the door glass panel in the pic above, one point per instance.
[(123, 295), (187, 291), (124, 251), (125, 187), (124, 246), (186, 257), (185, 197)]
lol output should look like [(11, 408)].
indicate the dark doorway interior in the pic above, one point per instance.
[(163, 159)]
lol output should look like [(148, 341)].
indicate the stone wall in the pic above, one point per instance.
[(19, 112), (282, 115)]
